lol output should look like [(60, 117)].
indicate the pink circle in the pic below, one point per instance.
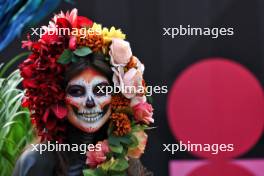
[(220, 169), (217, 101)]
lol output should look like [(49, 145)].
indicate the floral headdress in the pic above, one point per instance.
[(43, 72)]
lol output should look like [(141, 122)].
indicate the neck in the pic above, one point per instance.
[(77, 136), (77, 159)]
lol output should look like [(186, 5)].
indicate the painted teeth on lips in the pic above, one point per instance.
[(89, 111), (91, 119)]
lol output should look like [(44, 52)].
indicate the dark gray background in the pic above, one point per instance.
[(165, 58)]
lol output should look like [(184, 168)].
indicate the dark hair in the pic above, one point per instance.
[(95, 61)]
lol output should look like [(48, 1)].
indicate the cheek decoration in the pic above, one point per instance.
[(70, 102)]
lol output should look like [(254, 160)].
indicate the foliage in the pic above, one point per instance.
[(117, 161), (15, 127), (67, 56)]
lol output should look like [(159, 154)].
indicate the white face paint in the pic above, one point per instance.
[(88, 108)]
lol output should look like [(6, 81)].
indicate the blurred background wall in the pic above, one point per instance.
[(166, 58)]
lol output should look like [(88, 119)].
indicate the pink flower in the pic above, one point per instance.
[(120, 52), (140, 66), (70, 16), (131, 82), (72, 43), (133, 79), (137, 99), (94, 158), (142, 141), (104, 146), (143, 112)]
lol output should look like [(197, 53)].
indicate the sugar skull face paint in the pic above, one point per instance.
[(88, 108)]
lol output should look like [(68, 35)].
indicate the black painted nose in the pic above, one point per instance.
[(90, 102)]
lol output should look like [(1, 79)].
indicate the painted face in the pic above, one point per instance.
[(88, 108)]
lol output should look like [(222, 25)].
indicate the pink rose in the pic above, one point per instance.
[(120, 52), (142, 141), (131, 82), (95, 158), (118, 75), (137, 99), (143, 112), (72, 43)]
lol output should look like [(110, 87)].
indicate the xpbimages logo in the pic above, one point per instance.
[(147, 90), (82, 32), (188, 30), (212, 148), (49, 146)]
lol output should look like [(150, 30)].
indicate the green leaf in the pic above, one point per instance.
[(150, 99), (119, 165), (12, 62), (89, 172), (113, 140), (65, 57), (116, 149), (117, 140), (15, 127), (134, 142), (82, 51), (95, 172), (126, 139), (138, 127), (105, 166), (74, 58)]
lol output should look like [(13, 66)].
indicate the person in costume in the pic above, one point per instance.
[(67, 77)]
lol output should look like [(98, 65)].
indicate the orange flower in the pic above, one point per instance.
[(132, 63), (121, 124), (94, 41), (119, 102)]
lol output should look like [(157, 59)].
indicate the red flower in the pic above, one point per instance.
[(50, 38), (27, 71), (28, 43), (73, 43), (36, 46), (30, 83), (63, 23), (43, 76), (25, 102), (84, 22), (59, 111)]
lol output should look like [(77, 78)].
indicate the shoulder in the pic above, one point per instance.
[(32, 162)]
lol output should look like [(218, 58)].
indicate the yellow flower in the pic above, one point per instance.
[(97, 28), (108, 35)]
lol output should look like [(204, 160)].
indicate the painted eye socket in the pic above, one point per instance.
[(76, 90), (101, 89)]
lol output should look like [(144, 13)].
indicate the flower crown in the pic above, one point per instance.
[(43, 78)]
